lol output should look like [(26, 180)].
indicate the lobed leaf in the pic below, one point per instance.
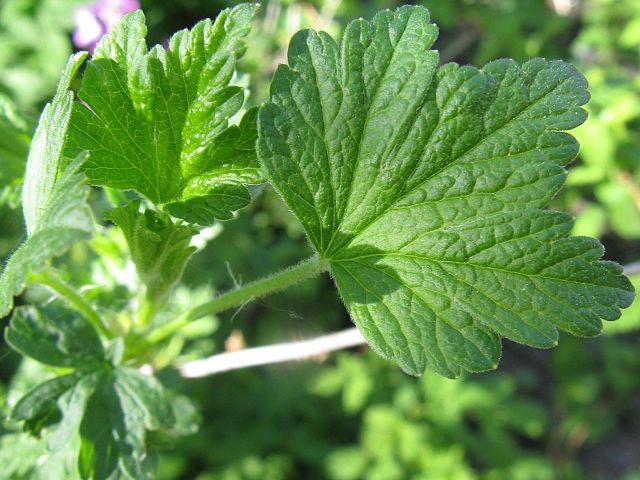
[(104, 412), (157, 122), (424, 188)]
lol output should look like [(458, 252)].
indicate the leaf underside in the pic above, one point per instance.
[(424, 188), (157, 121)]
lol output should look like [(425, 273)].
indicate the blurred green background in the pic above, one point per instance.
[(568, 413)]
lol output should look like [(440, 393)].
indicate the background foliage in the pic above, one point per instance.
[(571, 413)]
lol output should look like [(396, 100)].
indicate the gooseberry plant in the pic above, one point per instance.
[(421, 189)]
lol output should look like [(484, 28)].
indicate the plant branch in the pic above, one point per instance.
[(242, 294), (50, 279), (280, 352)]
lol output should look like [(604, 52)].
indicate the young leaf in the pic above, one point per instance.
[(53, 196), (157, 122), (160, 249), (73, 407), (62, 339), (110, 409), (423, 187)]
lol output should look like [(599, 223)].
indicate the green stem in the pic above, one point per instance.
[(241, 295), (116, 197), (55, 283), (146, 312)]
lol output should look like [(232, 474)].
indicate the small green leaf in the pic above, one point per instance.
[(55, 336), (145, 394), (53, 196), (157, 122), (39, 408), (56, 407), (424, 189), (159, 248), (122, 408), (73, 407)]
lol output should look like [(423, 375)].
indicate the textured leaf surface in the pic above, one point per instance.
[(424, 188), (53, 196), (159, 248), (158, 122)]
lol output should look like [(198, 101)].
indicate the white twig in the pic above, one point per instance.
[(280, 352), (284, 352), (565, 7), (632, 268)]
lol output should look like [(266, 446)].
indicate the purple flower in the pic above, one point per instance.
[(97, 19)]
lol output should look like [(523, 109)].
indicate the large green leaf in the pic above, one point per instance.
[(424, 188), (53, 195), (157, 122)]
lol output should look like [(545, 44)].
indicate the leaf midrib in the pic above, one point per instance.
[(480, 267), (371, 101)]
